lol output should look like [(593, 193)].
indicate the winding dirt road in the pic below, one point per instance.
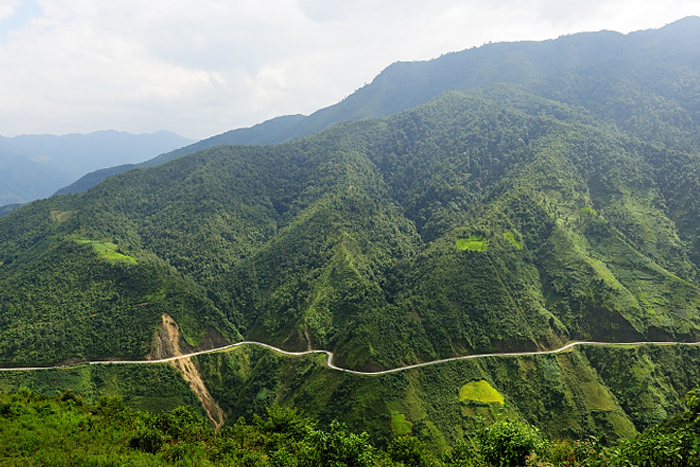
[(329, 354)]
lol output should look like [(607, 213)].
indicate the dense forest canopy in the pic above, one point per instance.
[(347, 240)]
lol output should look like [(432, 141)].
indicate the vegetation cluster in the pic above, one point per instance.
[(65, 430)]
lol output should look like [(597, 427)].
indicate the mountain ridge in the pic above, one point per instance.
[(410, 87)]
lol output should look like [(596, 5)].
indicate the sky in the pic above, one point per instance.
[(202, 67)]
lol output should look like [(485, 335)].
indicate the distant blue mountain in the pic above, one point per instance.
[(35, 166)]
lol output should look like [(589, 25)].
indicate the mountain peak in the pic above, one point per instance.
[(688, 28)]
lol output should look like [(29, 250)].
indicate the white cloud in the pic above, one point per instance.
[(207, 66), (7, 8)]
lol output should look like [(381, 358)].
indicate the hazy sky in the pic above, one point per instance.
[(203, 67)]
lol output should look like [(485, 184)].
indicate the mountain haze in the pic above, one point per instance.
[(24, 179), (35, 166)]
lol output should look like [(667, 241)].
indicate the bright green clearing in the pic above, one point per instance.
[(510, 236), (61, 216), (480, 391), (473, 243), (108, 251), (399, 425)]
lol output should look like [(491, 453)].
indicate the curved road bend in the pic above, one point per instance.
[(347, 370)]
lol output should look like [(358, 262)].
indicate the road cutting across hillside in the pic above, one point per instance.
[(331, 365)]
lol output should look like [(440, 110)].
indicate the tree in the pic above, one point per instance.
[(411, 452), (507, 443), (339, 448)]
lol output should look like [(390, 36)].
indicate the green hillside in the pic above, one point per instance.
[(606, 393), (347, 241), (66, 429), (509, 217)]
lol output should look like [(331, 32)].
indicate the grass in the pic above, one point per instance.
[(473, 243), (480, 391), (61, 216), (597, 397), (108, 251), (399, 425), (510, 236)]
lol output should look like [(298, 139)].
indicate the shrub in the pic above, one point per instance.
[(507, 443), (411, 452), (150, 440)]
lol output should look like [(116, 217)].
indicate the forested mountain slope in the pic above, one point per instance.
[(491, 221), (659, 66)]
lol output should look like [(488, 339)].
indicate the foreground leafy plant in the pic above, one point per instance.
[(508, 443)]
